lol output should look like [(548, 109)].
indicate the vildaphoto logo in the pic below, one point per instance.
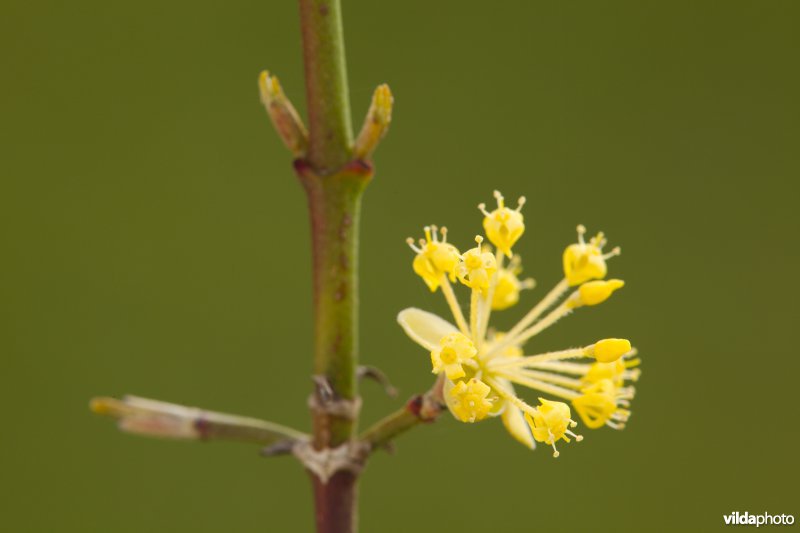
[(746, 519)]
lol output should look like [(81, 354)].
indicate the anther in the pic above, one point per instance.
[(577, 438)]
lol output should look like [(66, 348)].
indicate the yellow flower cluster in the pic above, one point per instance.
[(480, 367)]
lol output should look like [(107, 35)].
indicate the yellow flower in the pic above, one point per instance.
[(468, 400), (508, 287), (618, 372), (601, 404), (454, 350), (551, 422), (435, 259), (477, 267), (482, 368), (586, 261), (503, 226)]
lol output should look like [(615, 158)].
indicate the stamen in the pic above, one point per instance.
[(599, 240), (577, 438), (482, 209), (621, 415), (632, 375), (444, 234), (553, 444), (626, 393), (581, 232), (520, 202), (500, 200), (410, 242), (435, 233), (427, 233), (616, 251), (614, 425)]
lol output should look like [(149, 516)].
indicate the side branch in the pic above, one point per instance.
[(420, 409), (154, 418)]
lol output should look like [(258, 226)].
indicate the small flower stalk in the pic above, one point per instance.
[(483, 368)]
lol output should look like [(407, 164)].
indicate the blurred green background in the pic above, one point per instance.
[(155, 241)]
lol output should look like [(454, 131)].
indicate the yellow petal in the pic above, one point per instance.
[(424, 328), (515, 424)]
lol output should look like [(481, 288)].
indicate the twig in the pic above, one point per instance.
[(420, 409), (154, 418)]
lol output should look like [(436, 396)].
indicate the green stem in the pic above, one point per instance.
[(333, 184), (334, 205), (330, 127), (383, 432)]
